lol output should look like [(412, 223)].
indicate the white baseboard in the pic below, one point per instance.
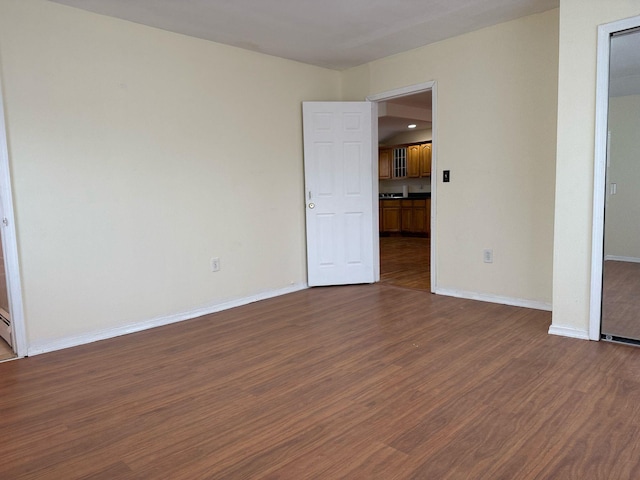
[(516, 302), (570, 332), (618, 258), (50, 346)]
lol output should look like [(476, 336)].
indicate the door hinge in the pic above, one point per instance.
[(5, 221)]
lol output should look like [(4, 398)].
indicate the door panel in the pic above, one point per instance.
[(339, 174), (621, 263)]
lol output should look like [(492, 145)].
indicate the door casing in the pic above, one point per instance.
[(402, 92)]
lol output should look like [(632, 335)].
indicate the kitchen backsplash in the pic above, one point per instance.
[(416, 185)]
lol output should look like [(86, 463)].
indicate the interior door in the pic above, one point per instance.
[(340, 164)]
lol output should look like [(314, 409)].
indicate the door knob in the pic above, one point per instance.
[(312, 205)]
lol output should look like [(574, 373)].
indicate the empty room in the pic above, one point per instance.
[(201, 201)]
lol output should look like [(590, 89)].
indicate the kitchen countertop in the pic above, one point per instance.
[(412, 196)]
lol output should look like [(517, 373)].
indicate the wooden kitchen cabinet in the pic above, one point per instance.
[(416, 217), (390, 216), (422, 216), (384, 163), (419, 217), (425, 160), (427, 225), (406, 216), (413, 161), (410, 217)]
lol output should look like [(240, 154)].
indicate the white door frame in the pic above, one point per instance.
[(10, 242), (402, 92), (600, 167)]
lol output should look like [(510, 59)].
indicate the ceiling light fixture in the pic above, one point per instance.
[(413, 125)]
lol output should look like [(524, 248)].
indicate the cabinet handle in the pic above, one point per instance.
[(312, 206)]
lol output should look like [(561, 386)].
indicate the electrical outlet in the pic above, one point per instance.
[(487, 255), (215, 264)]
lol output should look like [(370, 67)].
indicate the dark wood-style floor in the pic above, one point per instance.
[(357, 382), (621, 299), (405, 262)]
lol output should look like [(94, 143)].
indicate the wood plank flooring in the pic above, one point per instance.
[(621, 299), (405, 262), (356, 382)]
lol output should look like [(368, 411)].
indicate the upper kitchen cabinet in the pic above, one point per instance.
[(413, 161), (384, 163), (404, 161), (425, 160)]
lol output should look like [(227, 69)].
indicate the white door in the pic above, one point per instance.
[(340, 165)]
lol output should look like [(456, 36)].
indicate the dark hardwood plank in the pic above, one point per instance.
[(368, 381), (621, 299), (405, 262)]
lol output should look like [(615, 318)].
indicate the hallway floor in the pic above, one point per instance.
[(405, 262)]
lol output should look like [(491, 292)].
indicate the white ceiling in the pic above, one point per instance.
[(336, 34), (395, 115)]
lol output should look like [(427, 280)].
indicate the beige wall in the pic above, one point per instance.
[(575, 155), (496, 132), (622, 221), (137, 155)]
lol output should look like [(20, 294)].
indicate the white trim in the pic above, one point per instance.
[(483, 297), (599, 166), (434, 186), (618, 258), (376, 194), (570, 332), (402, 92), (10, 242), (52, 345)]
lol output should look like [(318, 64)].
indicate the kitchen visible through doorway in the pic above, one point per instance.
[(405, 132)]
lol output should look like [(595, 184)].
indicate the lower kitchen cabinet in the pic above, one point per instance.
[(390, 216), (421, 218), (406, 216)]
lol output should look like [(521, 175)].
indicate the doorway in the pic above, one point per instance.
[(406, 134), (615, 275)]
